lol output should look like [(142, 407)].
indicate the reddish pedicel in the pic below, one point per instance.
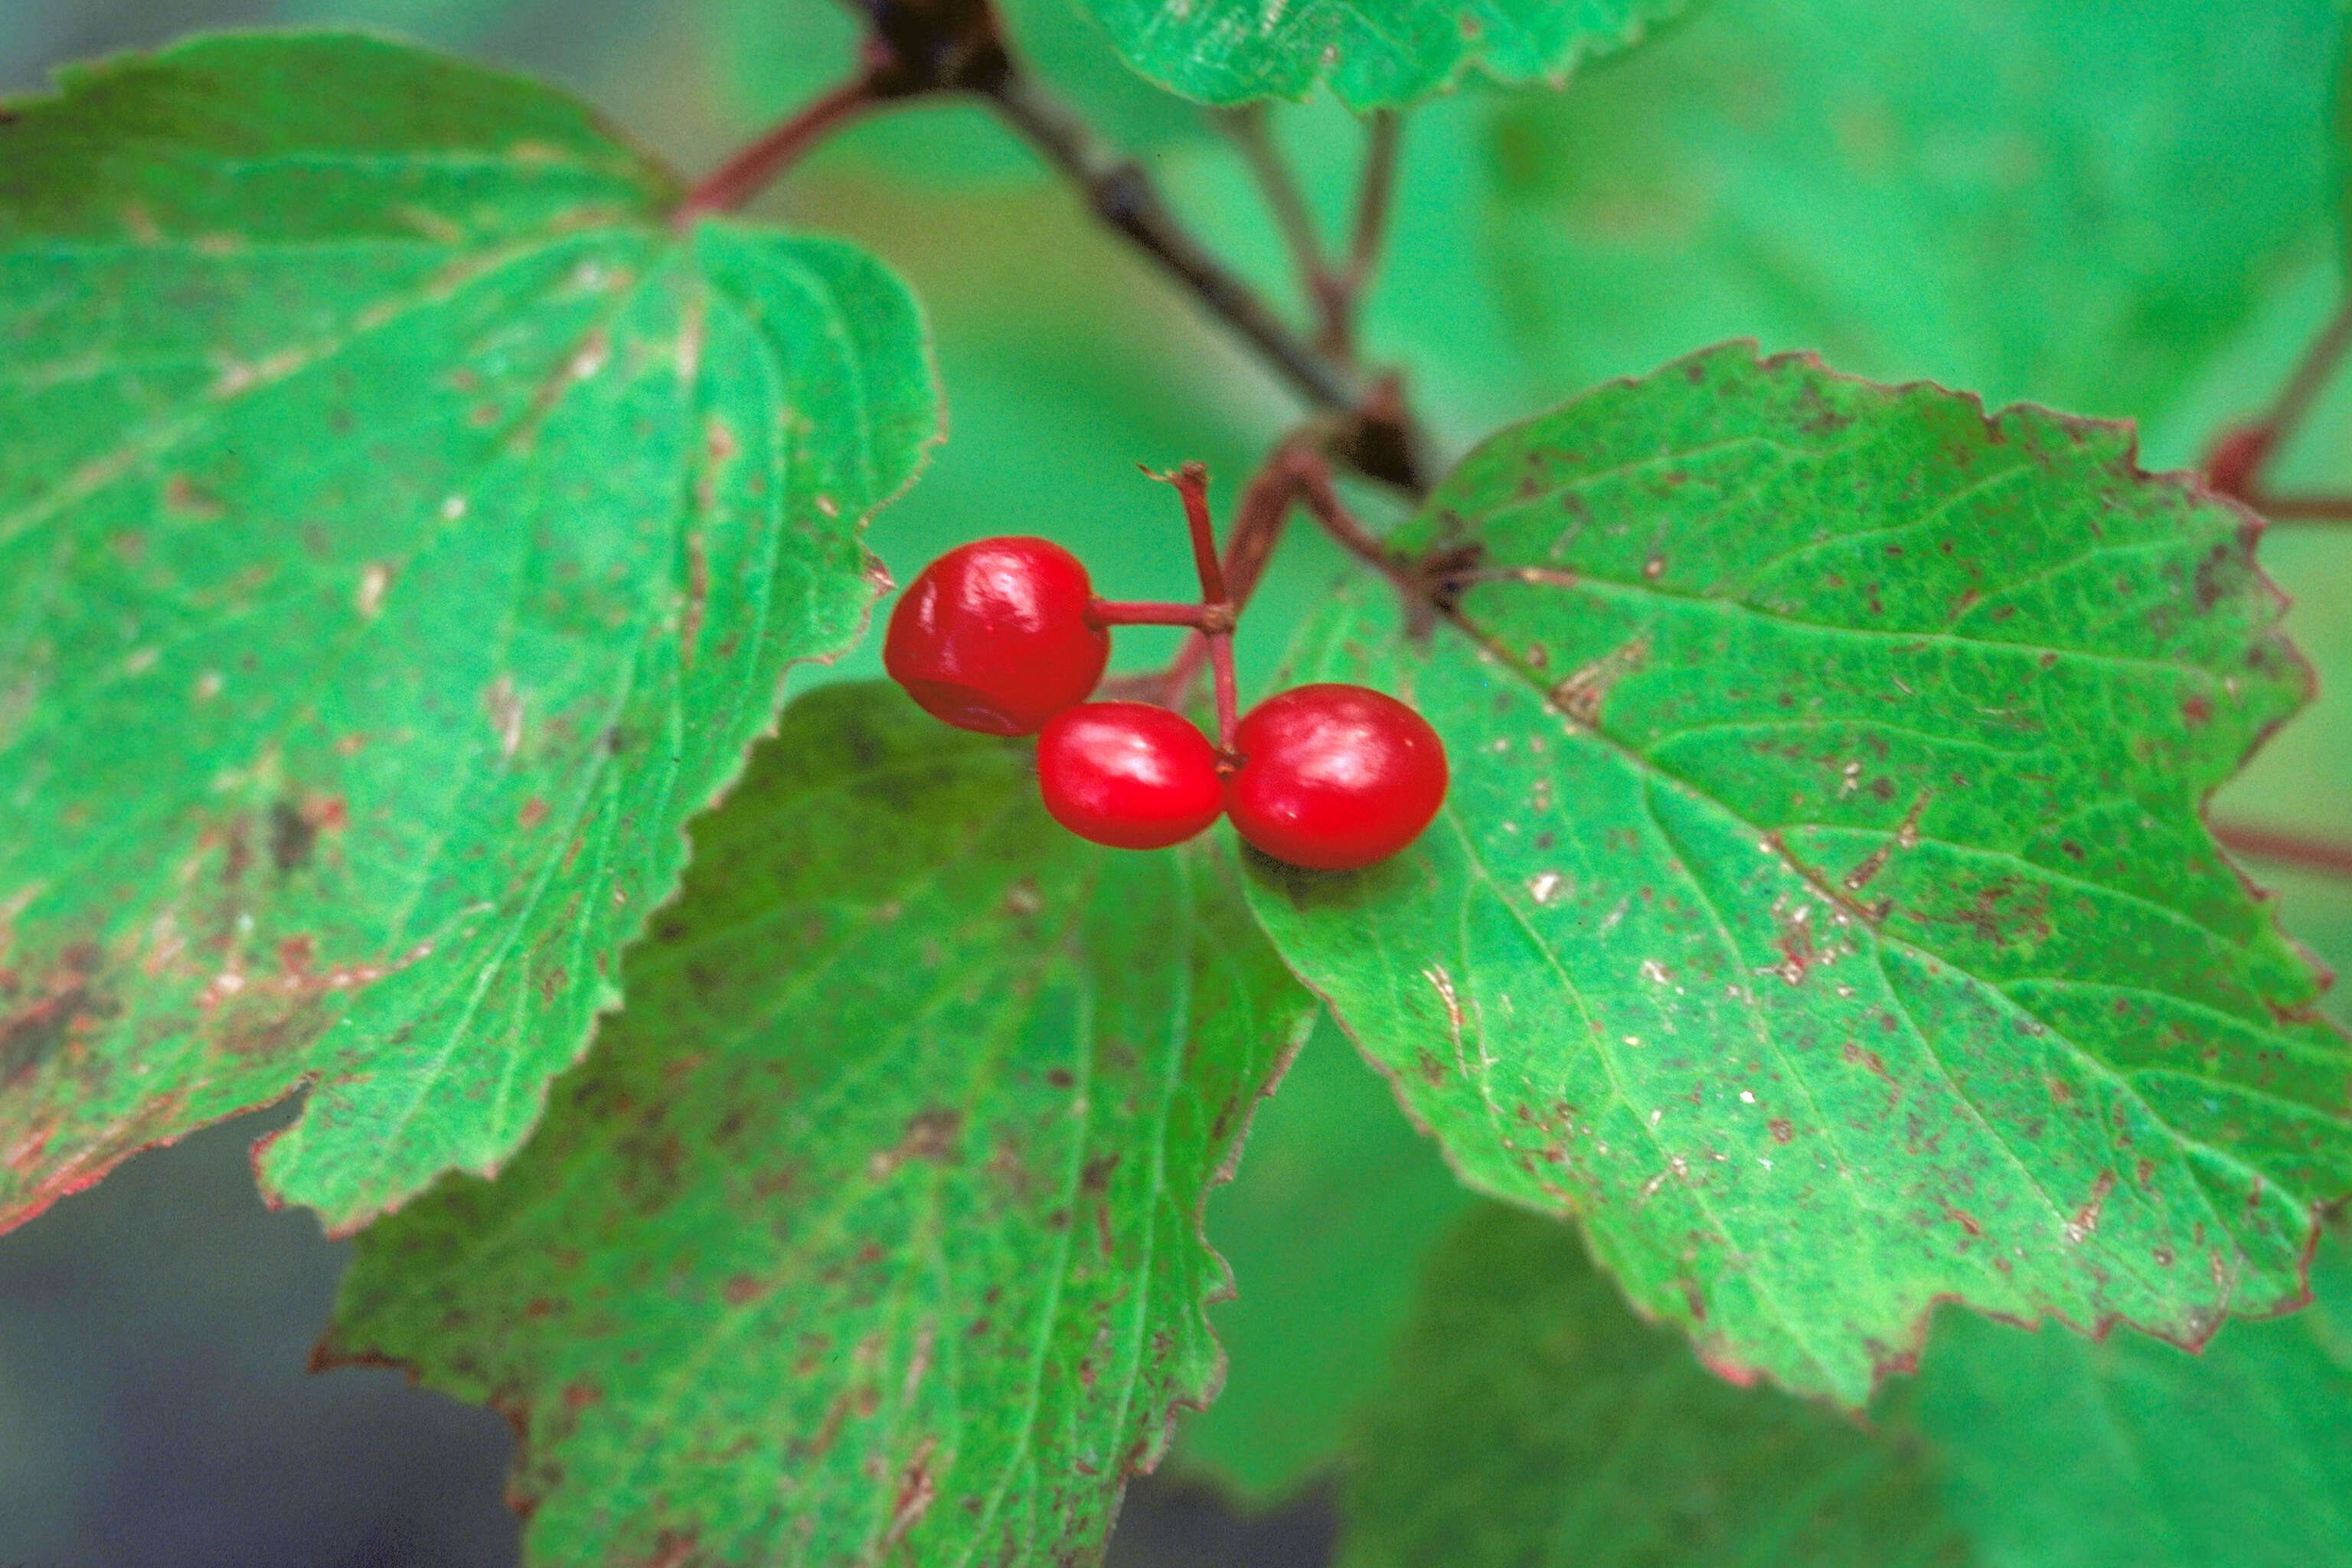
[(1335, 777), (994, 637), (1129, 774)]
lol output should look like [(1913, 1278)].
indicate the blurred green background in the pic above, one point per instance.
[(2120, 207)]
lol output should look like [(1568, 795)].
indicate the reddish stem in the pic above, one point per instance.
[(1191, 482), (735, 181), (1258, 524), (2302, 509), (1228, 689), (1216, 612), (1294, 473), (2286, 849), (1315, 487), (1155, 613), (2235, 466)]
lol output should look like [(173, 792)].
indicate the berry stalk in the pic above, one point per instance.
[(1294, 474), (1218, 611), (1156, 613)]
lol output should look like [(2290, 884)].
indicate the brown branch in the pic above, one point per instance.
[(1259, 520), (2286, 848), (1313, 478), (2302, 508), (1334, 291), (1124, 197), (920, 47), (2310, 376), (2234, 467), (1285, 200), (1375, 196), (912, 49)]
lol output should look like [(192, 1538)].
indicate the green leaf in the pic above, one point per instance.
[(2057, 1453), (403, 533), (1822, 909), (1371, 52), (871, 1230), (1529, 1419), (2340, 142), (1999, 195), (1325, 1225)]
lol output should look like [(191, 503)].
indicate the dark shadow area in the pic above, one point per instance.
[(1179, 1522), (155, 1411), (154, 1408)]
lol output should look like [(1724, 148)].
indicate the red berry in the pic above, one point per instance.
[(1129, 774), (994, 635), (1334, 778)]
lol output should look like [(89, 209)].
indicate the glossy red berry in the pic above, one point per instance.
[(1129, 774), (994, 635), (1333, 777)]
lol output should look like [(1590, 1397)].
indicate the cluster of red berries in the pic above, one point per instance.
[(1005, 637)]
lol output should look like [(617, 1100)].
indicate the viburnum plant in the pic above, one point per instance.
[(1753, 817), (1005, 637)]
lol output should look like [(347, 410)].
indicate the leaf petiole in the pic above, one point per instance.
[(2284, 848), (2234, 466), (734, 183)]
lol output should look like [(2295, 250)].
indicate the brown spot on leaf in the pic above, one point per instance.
[(917, 1493), (2213, 575), (930, 1135), (1862, 1055), (1094, 1179), (72, 1001), (183, 494), (2002, 913), (292, 837), (2087, 1218), (1587, 688)]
